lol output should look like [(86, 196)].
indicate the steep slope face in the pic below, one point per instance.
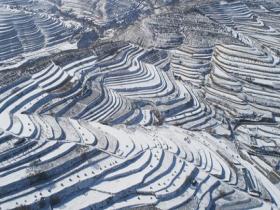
[(161, 104)]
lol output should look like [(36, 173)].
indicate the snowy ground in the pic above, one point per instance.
[(151, 104)]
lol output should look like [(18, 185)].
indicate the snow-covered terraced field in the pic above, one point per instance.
[(247, 79), (60, 162), (24, 33), (131, 87), (104, 13), (259, 28), (149, 104)]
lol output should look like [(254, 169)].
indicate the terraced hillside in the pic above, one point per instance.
[(25, 34), (139, 104)]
